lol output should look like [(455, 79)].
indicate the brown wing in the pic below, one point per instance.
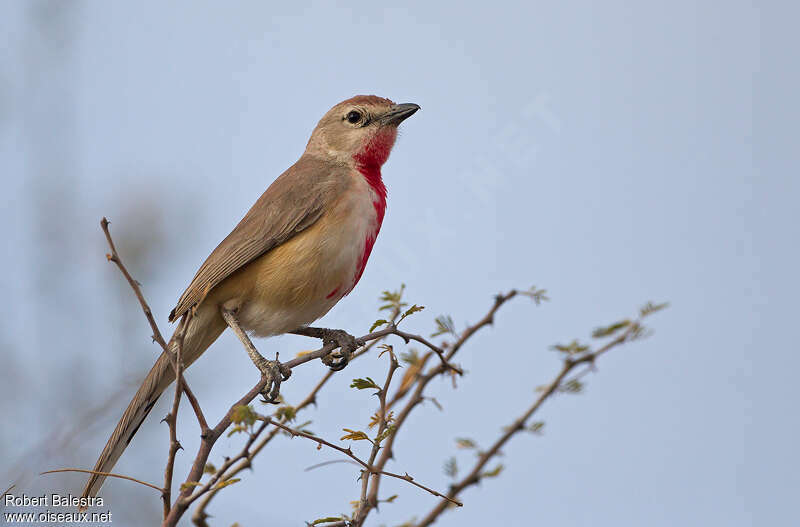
[(292, 203)]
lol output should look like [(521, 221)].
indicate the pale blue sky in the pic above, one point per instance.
[(612, 152)]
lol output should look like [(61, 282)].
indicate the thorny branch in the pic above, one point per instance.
[(210, 437), (390, 329), (383, 428), (199, 516), (422, 382), (171, 418), (410, 393), (114, 257), (180, 383), (216, 482), (368, 468), (569, 364)]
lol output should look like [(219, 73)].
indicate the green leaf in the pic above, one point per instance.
[(494, 472), (444, 324), (412, 357), (227, 482), (573, 348), (378, 323), (243, 414), (302, 427), (650, 308), (393, 299), (189, 484), (389, 430), (410, 311), (464, 442), (209, 469), (390, 499), (286, 413), (354, 435), (572, 386), (607, 331), (364, 384), (537, 427), (237, 430), (538, 295), (376, 418)]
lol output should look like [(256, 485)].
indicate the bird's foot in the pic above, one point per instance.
[(275, 372), (337, 360), (347, 343)]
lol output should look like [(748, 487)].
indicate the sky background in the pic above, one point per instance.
[(612, 153)]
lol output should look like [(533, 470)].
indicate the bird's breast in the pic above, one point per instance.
[(357, 219)]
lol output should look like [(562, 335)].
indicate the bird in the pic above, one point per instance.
[(300, 249)]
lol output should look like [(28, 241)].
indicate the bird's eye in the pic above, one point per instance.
[(353, 117)]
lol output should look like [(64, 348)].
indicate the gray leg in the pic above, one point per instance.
[(347, 344), (271, 369)]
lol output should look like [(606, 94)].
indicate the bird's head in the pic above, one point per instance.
[(360, 130)]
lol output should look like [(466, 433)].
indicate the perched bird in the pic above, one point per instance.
[(300, 249)]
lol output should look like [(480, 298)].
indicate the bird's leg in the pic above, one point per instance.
[(347, 344), (273, 370)]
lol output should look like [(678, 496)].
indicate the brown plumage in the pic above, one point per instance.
[(266, 225), (294, 255)]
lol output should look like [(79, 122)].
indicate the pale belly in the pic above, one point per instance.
[(299, 281)]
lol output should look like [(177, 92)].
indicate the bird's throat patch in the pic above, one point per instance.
[(376, 150)]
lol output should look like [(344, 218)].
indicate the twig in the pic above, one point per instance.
[(326, 463), (180, 383), (198, 412), (519, 424), (391, 330), (114, 257), (199, 516), (369, 468), (172, 417), (436, 349), (364, 504), (422, 382), (208, 439), (245, 453), (107, 474)]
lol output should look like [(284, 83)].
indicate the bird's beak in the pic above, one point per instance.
[(399, 113)]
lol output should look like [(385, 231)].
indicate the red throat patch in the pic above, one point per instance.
[(369, 162)]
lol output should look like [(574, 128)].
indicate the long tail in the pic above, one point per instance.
[(203, 330)]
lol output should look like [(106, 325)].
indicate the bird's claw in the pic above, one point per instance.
[(275, 372), (337, 360)]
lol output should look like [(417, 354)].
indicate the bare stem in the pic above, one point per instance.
[(476, 474), (422, 381), (369, 468), (199, 516), (368, 502), (107, 474), (114, 257), (172, 417)]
